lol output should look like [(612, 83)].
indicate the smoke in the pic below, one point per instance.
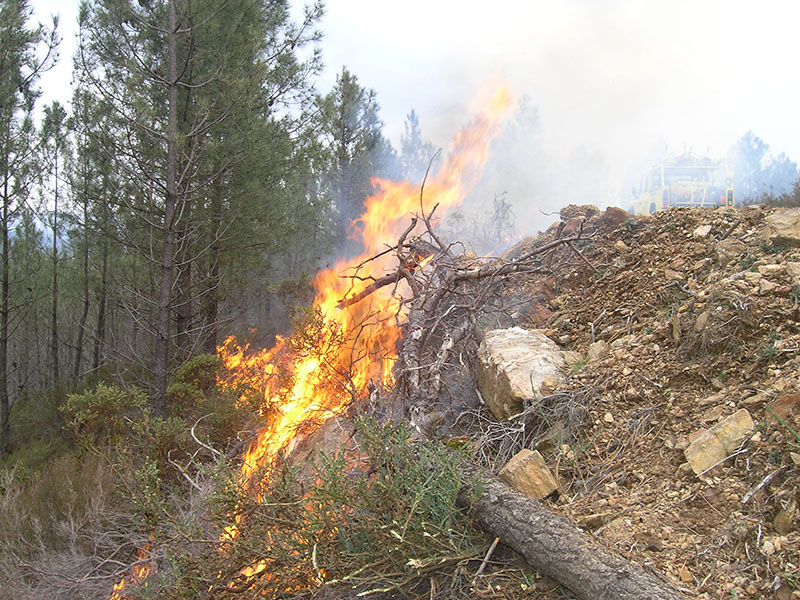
[(610, 82)]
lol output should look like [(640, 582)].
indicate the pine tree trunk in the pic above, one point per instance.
[(183, 299), (76, 372), (102, 300), (555, 547), (54, 315), (161, 354), (211, 296), (5, 406)]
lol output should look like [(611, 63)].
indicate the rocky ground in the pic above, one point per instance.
[(671, 324)]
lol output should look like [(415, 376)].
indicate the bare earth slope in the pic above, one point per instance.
[(691, 315)]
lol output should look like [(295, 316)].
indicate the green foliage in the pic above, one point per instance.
[(183, 397), (386, 521), (101, 415), (200, 371)]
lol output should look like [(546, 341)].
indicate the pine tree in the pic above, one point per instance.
[(22, 61)]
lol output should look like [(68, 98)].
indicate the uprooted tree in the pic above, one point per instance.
[(448, 297)]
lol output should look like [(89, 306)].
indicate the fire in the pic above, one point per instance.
[(358, 346), (141, 571), (340, 352)]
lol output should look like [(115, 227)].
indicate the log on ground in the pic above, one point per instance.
[(555, 547)]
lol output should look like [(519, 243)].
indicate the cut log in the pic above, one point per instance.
[(555, 547)]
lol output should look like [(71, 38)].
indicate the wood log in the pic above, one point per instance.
[(555, 547)]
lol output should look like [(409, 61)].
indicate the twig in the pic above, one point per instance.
[(582, 257), (764, 482), (485, 560), (730, 230), (216, 453)]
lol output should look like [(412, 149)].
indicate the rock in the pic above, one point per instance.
[(733, 430), (597, 351), (540, 314), (705, 452), (752, 277), (613, 217), (771, 270), (783, 227), (585, 211), (784, 519), (712, 447), (513, 367), (765, 286), (621, 247), (671, 275), (784, 593), (519, 248), (608, 417), (729, 250), (528, 473), (574, 226), (701, 232), (700, 322), (793, 269), (785, 406), (685, 575), (571, 358)]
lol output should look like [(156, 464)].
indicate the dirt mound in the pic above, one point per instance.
[(688, 316)]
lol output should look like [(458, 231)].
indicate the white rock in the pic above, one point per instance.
[(517, 365), (701, 232)]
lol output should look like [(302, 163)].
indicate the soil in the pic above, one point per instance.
[(697, 323)]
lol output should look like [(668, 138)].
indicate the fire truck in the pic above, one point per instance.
[(684, 180)]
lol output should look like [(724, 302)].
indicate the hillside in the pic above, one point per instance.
[(682, 319)]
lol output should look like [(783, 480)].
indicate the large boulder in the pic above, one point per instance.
[(516, 366), (783, 227)]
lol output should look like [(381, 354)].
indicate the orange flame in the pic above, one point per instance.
[(141, 571), (359, 345), (366, 334)]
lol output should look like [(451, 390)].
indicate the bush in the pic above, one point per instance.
[(387, 521), (102, 415), (200, 371)]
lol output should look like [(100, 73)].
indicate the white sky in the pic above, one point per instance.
[(610, 78)]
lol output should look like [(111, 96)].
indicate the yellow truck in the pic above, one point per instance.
[(685, 180)]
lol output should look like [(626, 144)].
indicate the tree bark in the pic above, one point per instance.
[(161, 354), (555, 547), (102, 301), (5, 405), (76, 372), (54, 315)]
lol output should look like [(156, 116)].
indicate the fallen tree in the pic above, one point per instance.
[(555, 547)]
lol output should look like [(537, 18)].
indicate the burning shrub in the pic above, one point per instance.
[(382, 524)]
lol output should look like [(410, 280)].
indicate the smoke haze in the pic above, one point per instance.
[(612, 82)]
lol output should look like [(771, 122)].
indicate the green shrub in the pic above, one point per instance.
[(384, 521), (200, 371), (183, 397), (103, 414)]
